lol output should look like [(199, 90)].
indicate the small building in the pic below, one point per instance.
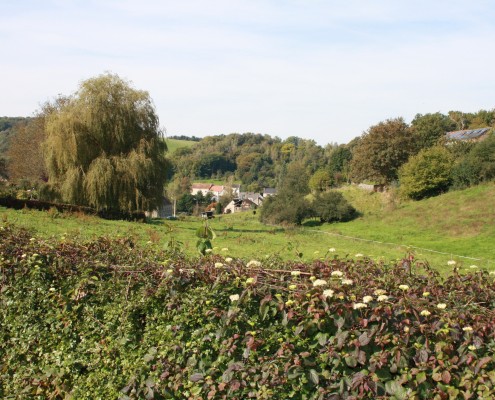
[(239, 205), (256, 198), (204, 188), (216, 190), (269, 192), (207, 215)]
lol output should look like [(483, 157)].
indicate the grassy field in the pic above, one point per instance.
[(457, 226), (174, 144)]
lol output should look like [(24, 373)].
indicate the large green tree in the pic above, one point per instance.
[(381, 151), (428, 129), (103, 147)]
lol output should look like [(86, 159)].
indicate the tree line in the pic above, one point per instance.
[(102, 147)]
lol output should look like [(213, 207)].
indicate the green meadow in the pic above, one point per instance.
[(174, 144), (457, 226)]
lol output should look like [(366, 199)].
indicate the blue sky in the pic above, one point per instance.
[(322, 70)]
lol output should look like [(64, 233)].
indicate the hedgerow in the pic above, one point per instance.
[(107, 319)]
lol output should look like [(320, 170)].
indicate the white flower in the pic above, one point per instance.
[(491, 273), (472, 347), (403, 287), (218, 265), (327, 293), (253, 263), (382, 297), (52, 289), (425, 313), (331, 250), (347, 281), (312, 278), (406, 329), (467, 329), (441, 306), (337, 273), (225, 249), (319, 282), (234, 297), (358, 255), (249, 281), (367, 299), (208, 250), (228, 260), (451, 262), (295, 273), (357, 306), (473, 266), (379, 292)]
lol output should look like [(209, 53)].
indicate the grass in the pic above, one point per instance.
[(174, 144), (452, 226)]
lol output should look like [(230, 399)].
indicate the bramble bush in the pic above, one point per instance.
[(108, 319)]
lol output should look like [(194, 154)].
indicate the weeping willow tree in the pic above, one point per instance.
[(103, 147)]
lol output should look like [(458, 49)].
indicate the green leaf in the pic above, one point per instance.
[(313, 376), (351, 361), (395, 389)]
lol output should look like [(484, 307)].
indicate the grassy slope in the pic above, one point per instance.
[(174, 144), (460, 222), (457, 223)]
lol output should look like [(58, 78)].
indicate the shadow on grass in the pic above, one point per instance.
[(312, 223)]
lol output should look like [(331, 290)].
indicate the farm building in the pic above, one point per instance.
[(239, 205)]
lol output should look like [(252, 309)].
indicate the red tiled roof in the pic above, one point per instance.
[(216, 188), (206, 186)]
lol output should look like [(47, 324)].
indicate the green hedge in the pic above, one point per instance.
[(106, 319)]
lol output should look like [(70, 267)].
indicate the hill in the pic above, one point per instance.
[(174, 144), (457, 223)]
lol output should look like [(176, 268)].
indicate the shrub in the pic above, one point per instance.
[(109, 319), (331, 206), (282, 210), (426, 174), (477, 166)]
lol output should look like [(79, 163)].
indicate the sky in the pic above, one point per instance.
[(325, 70)]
